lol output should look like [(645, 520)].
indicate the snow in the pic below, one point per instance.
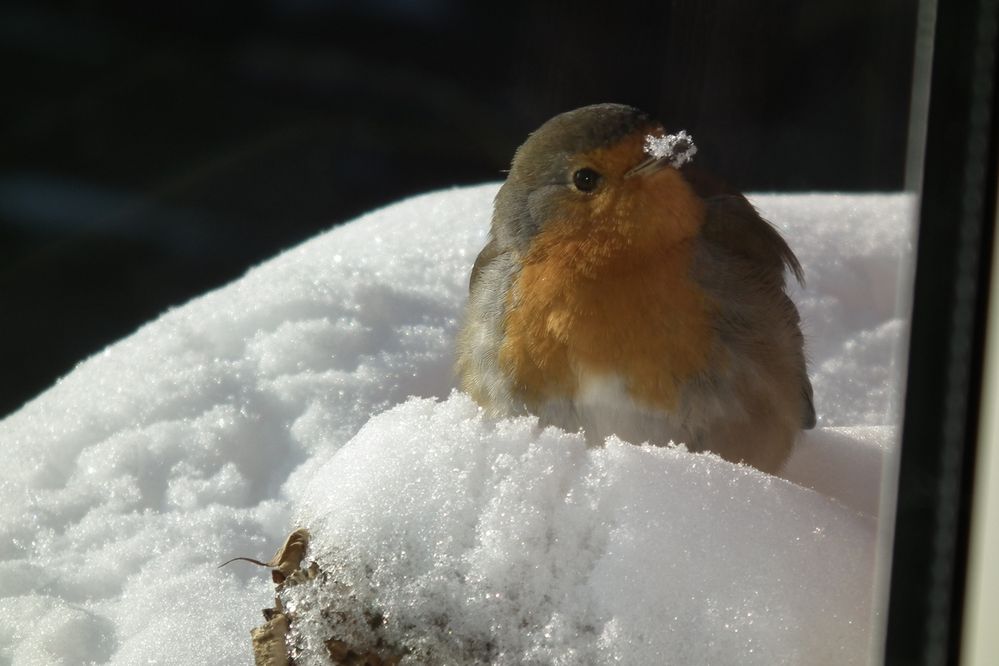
[(215, 430), (679, 148), (526, 547)]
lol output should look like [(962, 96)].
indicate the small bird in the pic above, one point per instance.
[(621, 292)]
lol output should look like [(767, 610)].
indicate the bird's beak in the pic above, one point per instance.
[(649, 165)]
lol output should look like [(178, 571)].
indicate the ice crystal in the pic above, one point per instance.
[(678, 148)]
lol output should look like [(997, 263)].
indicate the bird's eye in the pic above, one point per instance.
[(585, 179)]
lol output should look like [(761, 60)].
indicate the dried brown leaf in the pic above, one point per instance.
[(286, 560), (269, 647)]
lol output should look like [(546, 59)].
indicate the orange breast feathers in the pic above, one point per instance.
[(606, 290)]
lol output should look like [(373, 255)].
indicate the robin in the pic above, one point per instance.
[(622, 292)]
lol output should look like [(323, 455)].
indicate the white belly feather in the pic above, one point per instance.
[(603, 407)]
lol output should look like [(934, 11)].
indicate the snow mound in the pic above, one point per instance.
[(202, 436), (508, 546)]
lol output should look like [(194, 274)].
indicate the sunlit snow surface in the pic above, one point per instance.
[(215, 430)]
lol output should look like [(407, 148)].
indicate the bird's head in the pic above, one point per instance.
[(596, 176)]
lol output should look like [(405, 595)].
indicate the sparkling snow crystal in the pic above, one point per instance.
[(678, 148)]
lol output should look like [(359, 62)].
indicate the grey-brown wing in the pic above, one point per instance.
[(732, 222), (486, 256), (734, 229), (808, 417)]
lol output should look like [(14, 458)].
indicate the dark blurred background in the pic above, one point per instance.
[(150, 152)]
